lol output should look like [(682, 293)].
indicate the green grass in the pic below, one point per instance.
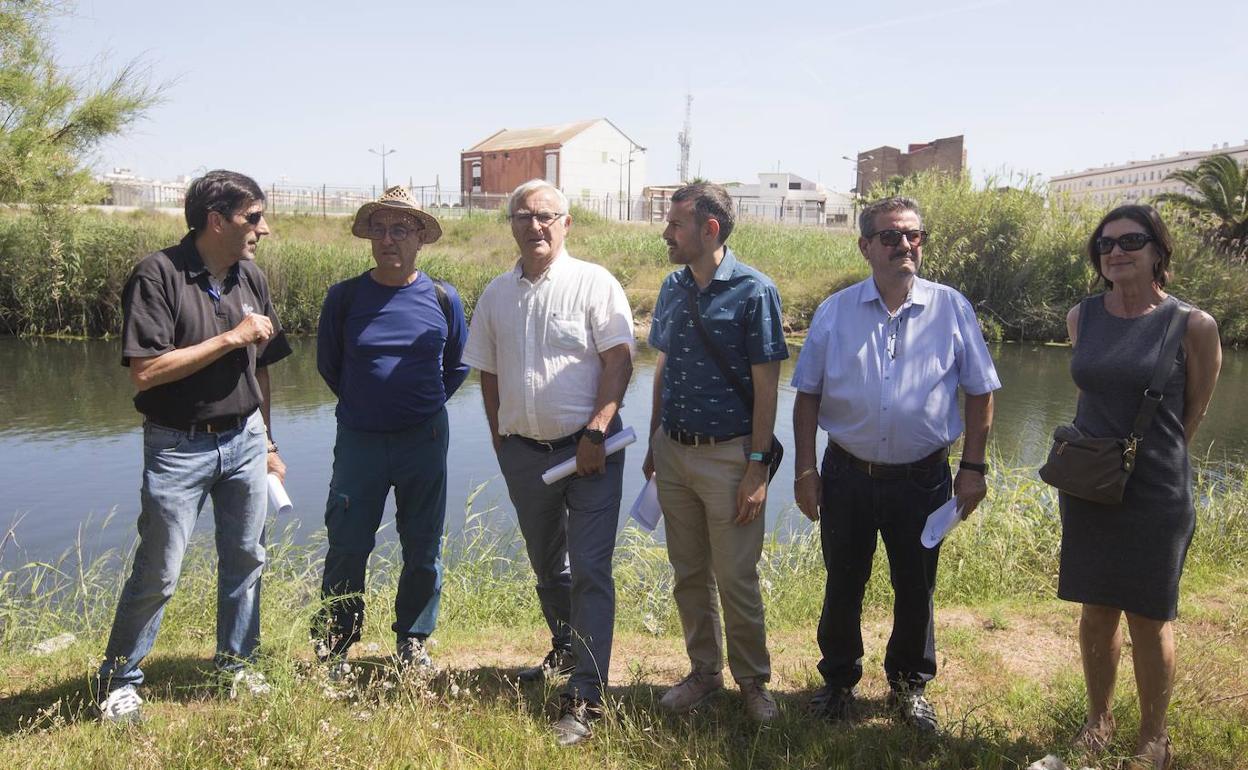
[(1009, 691)]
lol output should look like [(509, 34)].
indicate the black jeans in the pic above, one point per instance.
[(855, 508)]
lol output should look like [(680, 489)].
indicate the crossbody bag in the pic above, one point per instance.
[(1097, 469)]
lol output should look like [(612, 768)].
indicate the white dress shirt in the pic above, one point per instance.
[(888, 385), (542, 339)]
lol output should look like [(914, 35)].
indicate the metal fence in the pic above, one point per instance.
[(338, 200)]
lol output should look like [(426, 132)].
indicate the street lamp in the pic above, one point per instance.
[(383, 153), (620, 192), (854, 192)]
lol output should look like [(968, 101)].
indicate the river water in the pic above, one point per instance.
[(71, 440)]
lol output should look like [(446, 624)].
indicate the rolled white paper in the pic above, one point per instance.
[(613, 444), (646, 510), (940, 523), (278, 497)]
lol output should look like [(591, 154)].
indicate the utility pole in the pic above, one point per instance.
[(383, 153)]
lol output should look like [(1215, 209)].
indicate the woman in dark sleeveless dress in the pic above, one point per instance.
[(1129, 557)]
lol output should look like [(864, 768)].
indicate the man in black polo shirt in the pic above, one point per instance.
[(198, 333)]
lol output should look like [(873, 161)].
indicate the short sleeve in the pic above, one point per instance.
[(611, 315), (480, 352), (147, 319), (660, 319), (976, 373), (808, 374), (278, 346), (765, 339)]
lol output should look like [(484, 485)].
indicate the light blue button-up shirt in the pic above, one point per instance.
[(888, 385)]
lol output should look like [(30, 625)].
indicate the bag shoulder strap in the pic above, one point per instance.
[(444, 302), (738, 385), (1166, 361)]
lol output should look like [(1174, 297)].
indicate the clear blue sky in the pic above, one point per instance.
[(303, 89)]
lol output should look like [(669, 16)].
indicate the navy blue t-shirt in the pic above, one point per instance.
[(390, 363)]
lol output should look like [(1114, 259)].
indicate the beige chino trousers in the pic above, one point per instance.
[(714, 559)]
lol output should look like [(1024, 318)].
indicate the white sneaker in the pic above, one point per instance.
[(248, 681), (121, 706)]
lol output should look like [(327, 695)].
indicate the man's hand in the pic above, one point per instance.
[(276, 466), (647, 465), (751, 493), (808, 492), (497, 441), (970, 488), (591, 458), (252, 329)]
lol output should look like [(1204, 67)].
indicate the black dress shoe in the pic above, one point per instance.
[(573, 724), (832, 703), (556, 663)]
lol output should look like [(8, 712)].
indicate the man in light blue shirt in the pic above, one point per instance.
[(880, 372)]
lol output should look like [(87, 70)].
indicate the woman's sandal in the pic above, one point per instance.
[(1095, 737), (1157, 754)]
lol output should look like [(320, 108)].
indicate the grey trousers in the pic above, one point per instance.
[(569, 532)]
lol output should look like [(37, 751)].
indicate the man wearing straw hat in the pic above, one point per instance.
[(198, 335), (553, 340), (388, 345)]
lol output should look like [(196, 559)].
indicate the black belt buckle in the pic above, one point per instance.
[(221, 425)]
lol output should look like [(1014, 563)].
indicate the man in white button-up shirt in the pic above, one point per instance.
[(553, 341), (880, 372)]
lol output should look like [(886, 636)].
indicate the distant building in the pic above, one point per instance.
[(777, 197), (592, 159), (1137, 180), (883, 163), (124, 188)]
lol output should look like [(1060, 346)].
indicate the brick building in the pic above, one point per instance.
[(590, 159), (883, 163)]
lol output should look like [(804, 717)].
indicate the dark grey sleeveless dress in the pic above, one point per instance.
[(1129, 555)]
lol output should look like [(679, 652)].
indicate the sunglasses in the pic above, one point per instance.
[(893, 237), (525, 218), (253, 218), (397, 232), (1128, 242)]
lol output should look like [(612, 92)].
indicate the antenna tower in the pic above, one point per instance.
[(685, 140)]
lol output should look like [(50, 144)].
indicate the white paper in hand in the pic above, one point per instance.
[(278, 497), (613, 444), (940, 523), (646, 511)]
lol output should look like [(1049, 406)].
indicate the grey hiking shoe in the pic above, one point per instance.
[(557, 663), (913, 709), (692, 691), (121, 706), (413, 656), (575, 714), (759, 704), (832, 703)]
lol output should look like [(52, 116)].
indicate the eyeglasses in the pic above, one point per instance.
[(1127, 242), (525, 218), (893, 237), (397, 232)]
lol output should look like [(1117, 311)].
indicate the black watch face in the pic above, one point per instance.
[(595, 436)]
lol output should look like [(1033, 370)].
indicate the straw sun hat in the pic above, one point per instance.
[(398, 199)]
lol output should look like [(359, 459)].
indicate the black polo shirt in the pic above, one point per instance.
[(168, 303)]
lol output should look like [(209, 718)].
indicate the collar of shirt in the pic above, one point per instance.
[(195, 263), (552, 271), (920, 294), (723, 272)]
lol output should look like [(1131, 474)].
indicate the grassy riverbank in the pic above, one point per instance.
[(1017, 257), (1008, 693)]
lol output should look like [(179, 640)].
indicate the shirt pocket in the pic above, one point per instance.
[(567, 331)]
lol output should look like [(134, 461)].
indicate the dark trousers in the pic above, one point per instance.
[(366, 466), (855, 508)]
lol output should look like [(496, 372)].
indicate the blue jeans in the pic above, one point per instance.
[(855, 508), (569, 533), (180, 471), (366, 466)]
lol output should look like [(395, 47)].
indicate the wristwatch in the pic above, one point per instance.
[(967, 465), (759, 457), (596, 437)]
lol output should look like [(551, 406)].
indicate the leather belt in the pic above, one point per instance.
[(696, 439), (548, 446), (886, 471), (218, 425)]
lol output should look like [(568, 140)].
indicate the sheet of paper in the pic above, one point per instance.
[(613, 444), (278, 497), (646, 511), (940, 523)]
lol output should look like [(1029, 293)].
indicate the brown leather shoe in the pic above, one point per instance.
[(759, 704)]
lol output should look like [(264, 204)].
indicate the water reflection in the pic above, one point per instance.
[(72, 447)]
